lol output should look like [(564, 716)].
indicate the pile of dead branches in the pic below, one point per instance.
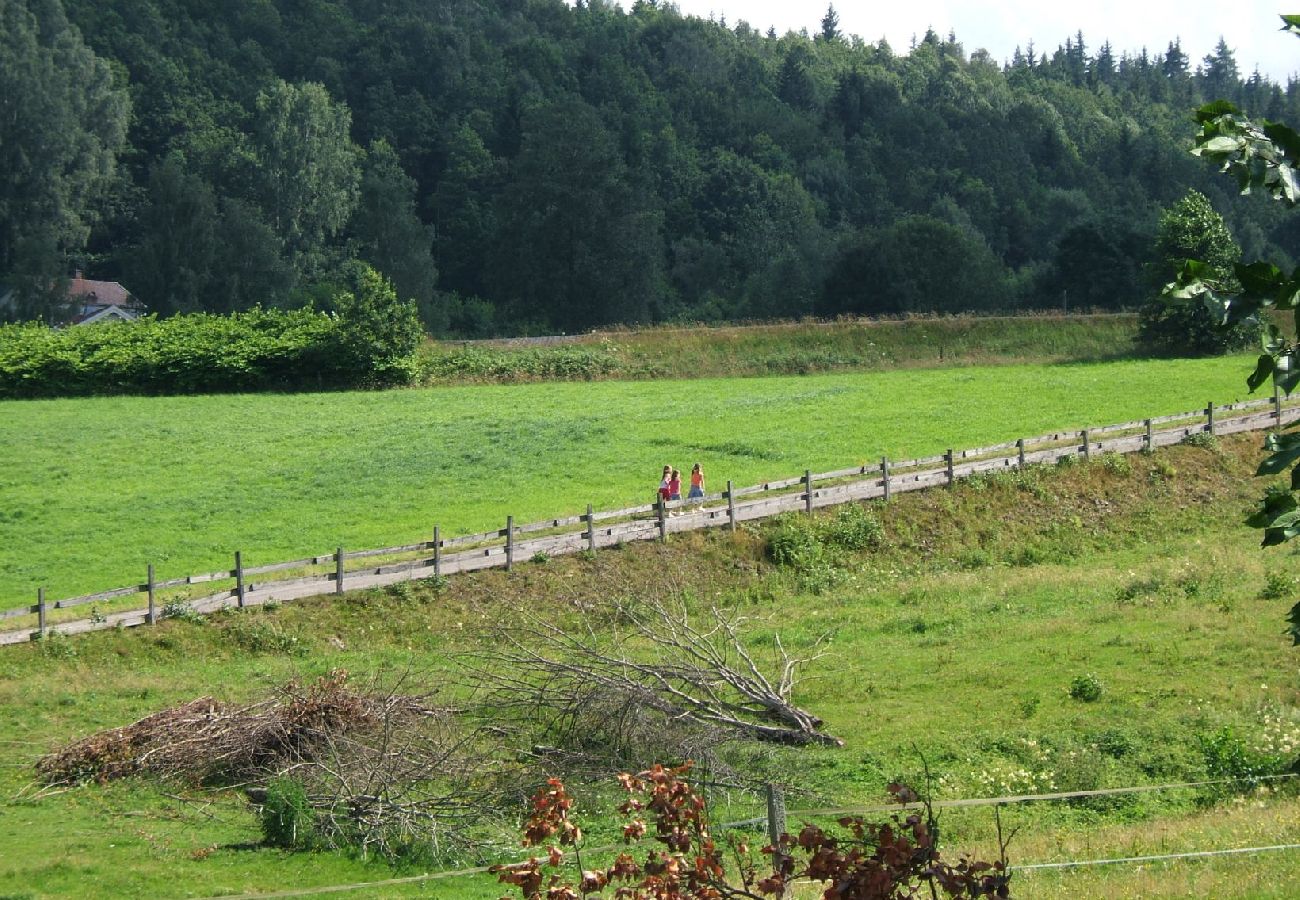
[(206, 741), (666, 670)]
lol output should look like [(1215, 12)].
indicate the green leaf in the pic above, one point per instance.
[(1260, 278), (1263, 372), (1279, 462), (1211, 111), (1291, 24), (1276, 442), (1222, 145), (1272, 507), (1284, 137)]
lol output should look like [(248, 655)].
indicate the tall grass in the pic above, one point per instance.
[(795, 348)]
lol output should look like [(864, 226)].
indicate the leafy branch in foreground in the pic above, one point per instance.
[(1261, 156), (869, 861)]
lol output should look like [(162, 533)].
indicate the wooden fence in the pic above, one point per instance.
[(329, 573)]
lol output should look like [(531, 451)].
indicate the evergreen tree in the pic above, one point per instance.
[(830, 24)]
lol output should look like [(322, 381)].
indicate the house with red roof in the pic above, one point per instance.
[(87, 302), (101, 301)]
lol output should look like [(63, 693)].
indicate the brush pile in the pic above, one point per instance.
[(206, 741)]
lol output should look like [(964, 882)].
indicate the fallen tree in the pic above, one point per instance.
[(664, 662)]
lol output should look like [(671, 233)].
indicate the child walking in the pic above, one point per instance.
[(697, 483), (675, 486), (664, 483)]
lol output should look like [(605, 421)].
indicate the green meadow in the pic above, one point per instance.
[(92, 490), (959, 640)]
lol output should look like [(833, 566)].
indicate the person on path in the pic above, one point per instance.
[(675, 486), (697, 483)]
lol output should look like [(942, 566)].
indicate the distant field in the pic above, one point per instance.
[(93, 490), (785, 348)]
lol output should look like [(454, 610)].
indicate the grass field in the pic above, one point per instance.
[(959, 639), (93, 490), (787, 348)]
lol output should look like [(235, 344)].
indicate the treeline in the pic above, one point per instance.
[(523, 165)]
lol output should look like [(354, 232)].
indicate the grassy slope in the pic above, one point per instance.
[(92, 490), (962, 636), (788, 348)]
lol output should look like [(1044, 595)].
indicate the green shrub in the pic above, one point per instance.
[(1201, 439), (370, 339), (854, 527), (377, 333), (1278, 586), (1086, 688), (793, 543), (286, 816), (1116, 463)]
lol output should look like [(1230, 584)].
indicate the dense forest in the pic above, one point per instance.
[(526, 165)]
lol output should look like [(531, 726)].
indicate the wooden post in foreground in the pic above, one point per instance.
[(663, 520), (776, 824), (40, 610), (437, 552), (1209, 418), (239, 577), (510, 542), (947, 459), (1020, 451), (152, 618), (1277, 404), (591, 529), (1087, 444), (731, 507), (808, 493), (884, 475), (338, 571)]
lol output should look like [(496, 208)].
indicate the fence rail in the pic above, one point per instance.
[(595, 529)]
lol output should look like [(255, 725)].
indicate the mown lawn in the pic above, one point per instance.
[(93, 490), (958, 641)]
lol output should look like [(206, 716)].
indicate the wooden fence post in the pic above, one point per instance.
[(947, 460), (437, 552), (510, 542), (239, 577), (1209, 418), (1087, 444), (591, 529), (884, 475), (40, 611), (663, 520), (731, 507), (1020, 451), (776, 824), (1277, 404), (152, 618), (1150, 436), (338, 571), (808, 493)]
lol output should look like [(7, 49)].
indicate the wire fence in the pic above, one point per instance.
[(774, 822)]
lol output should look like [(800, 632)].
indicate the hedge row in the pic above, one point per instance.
[(262, 349)]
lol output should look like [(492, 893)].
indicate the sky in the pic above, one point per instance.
[(1250, 28)]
